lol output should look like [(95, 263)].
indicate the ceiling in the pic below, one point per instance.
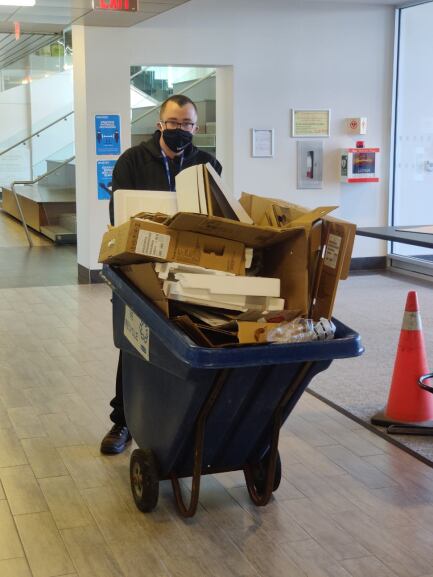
[(50, 16)]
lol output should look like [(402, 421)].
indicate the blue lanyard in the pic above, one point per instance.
[(171, 187)]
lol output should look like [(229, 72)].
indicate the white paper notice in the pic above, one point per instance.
[(152, 244), (332, 251), (137, 333), (263, 142)]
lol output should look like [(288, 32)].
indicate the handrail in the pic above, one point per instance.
[(195, 83), (34, 181), (139, 72), (37, 133)]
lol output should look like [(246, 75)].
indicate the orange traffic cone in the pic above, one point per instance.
[(408, 404)]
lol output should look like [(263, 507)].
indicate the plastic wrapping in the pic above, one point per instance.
[(302, 330)]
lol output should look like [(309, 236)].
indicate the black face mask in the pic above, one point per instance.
[(177, 139)]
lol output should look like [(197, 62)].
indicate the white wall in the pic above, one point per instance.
[(283, 55)]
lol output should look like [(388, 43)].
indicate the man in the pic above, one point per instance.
[(153, 165)]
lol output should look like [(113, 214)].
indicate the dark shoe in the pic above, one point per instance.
[(115, 440)]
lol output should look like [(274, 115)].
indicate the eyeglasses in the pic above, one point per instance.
[(173, 124)]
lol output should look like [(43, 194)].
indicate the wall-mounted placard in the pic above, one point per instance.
[(104, 176), (310, 123), (107, 129), (310, 164), (262, 142)]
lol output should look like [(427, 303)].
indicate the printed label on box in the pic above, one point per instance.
[(332, 251), (137, 333), (152, 244)]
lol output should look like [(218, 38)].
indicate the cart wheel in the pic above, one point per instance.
[(144, 479), (259, 474)]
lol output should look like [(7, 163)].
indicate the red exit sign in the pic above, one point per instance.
[(117, 5)]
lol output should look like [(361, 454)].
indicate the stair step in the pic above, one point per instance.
[(59, 234)]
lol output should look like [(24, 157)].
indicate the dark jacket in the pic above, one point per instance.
[(142, 167)]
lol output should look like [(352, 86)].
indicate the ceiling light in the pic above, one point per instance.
[(17, 2)]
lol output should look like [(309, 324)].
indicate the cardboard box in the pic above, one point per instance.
[(324, 269), (141, 240)]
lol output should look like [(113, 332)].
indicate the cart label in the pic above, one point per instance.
[(137, 333), (152, 244), (332, 251)]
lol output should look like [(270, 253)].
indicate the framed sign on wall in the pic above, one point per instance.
[(262, 142), (310, 123)]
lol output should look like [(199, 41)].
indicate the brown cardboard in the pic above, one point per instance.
[(281, 214), (249, 234), (339, 242), (288, 261), (250, 332), (144, 277), (324, 271), (285, 251), (141, 240)]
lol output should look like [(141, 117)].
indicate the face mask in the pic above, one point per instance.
[(176, 139)]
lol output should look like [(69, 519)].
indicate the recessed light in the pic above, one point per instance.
[(17, 2)]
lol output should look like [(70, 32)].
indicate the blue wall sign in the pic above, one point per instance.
[(104, 175), (107, 127)]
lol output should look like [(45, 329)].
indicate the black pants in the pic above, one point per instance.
[(118, 415)]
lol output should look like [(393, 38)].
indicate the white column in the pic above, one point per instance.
[(101, 86)]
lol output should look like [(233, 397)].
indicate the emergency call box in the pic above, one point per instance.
[(359, 165)]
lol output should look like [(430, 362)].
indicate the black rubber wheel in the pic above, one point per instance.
[(144, 479), (259, 474)]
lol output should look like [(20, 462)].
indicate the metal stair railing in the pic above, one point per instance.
[(37, 133), (186, 89), (34, 181)]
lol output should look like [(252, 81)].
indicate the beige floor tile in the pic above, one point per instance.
[(11, 452), (14, 568), (65, 502), (90, 554), (10, 544), (43, 457), (11, 397), (26, 422), (22, 490), (61, 431), (112, 514), (139, 558), (43, 545), (85, 466)]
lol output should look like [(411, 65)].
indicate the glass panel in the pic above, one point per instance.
[(413, 182), (38, 154)]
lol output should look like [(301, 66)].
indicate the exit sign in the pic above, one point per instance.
[(117, 5)]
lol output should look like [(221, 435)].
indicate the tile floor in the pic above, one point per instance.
[(349, 505)]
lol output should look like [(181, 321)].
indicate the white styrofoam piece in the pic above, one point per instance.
[(187, 192), (128, 203), (235, 285), (164, 269)]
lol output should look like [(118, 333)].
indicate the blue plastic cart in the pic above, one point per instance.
[(194, 410)]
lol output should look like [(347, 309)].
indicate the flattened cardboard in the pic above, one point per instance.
[(141, 240), (288, 261), (144, 277), (281, 214), (249, 234), (338, 246)]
